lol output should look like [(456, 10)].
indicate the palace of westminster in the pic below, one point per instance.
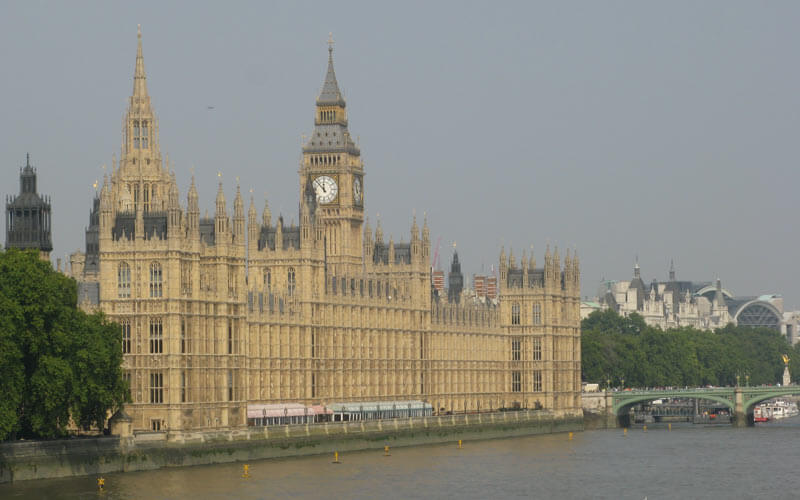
[(219, 313)]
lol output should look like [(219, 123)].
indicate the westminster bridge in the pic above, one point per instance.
[(740, 400)]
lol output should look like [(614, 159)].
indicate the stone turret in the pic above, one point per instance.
[(220, 215), (238, 218), (193, 210)]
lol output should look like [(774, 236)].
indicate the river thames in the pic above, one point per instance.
[(690, 461)]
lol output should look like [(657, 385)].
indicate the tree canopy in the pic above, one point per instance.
[(58, 365), (616, 348)]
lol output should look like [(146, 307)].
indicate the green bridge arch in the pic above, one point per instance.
[(740, 400), (626, 399)]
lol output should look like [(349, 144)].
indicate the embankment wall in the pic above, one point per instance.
[(146, 451)]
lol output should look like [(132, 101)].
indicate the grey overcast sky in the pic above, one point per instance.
[(667, 130)]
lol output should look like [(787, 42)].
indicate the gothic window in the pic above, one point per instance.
[(183, 335), (146, 197), (156, 336), (515, 313), (144, 134), (537, 314), (156, 387), (136, 135), (231, 281), (156, 278), (123, 280), (230, 385), (516, 382), (537, 349), (183, 386), (290, 282), (537, 380), (516, 349), (186, 278), (267, 279), (230, 336), (126, 336)]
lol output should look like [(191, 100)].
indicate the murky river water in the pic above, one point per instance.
[(687, 462)]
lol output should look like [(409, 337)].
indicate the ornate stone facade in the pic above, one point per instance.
[(218, 313), (28, 216), (700, 304)]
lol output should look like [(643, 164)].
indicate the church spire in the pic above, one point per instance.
[(139, 77), (330, 94)]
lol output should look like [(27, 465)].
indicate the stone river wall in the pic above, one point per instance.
[(25, 460)]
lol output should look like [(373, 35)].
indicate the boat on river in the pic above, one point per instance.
[(775, 410)]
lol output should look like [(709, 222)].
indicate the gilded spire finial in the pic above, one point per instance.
[(330, 43), (139, 30)]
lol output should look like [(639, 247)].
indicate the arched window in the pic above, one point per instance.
[(515, 313), (126, 336), (123, 280), (290, 282), (136, 135), (144, 134), (156, 280), (537, 314), (267, 280), (156, 336)]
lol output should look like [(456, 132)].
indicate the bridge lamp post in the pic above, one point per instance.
[(737, 379), (622, 381), (747, 379)]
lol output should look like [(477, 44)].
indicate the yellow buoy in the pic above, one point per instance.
[(624, 431), (669, 427), (459, 444), (336, 457), (246, 471), (645, 428), (101, 483), (570, 436), (385, 451)]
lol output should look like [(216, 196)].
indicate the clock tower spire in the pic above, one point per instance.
[(332, 163)]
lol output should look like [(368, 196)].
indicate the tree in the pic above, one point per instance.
[(614, 346), (57, 363)]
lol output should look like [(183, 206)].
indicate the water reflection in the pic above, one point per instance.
[(687, 462)]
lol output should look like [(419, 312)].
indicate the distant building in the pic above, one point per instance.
[(674, 303), (455, 281), (28, 215), (437, 279)]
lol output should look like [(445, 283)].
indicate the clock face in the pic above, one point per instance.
[(358, 193), (326, 189)]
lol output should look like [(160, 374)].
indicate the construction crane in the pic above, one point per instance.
[(436, 253)]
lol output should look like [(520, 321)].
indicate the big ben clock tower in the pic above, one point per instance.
[(332, 165)]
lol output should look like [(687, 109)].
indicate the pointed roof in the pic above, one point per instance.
[(331, 136), (139, 76), (330, 94)]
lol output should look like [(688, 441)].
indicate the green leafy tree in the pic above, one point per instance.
[(57, 363), (614, 347)]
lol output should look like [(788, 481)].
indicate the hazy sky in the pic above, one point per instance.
[(665, 130)]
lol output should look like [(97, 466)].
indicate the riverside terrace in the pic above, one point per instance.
[(740, 400)]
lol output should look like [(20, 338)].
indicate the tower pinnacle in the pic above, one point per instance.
[(139, 77)]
